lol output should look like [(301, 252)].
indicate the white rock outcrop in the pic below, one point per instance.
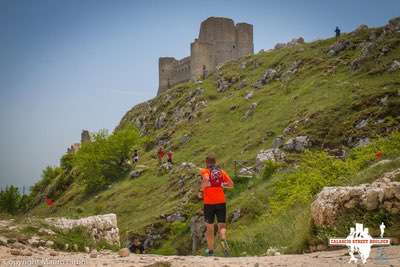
[(331, 201), (99, 226), (273, 154)]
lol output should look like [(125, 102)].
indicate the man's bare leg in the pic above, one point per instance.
[(222, 231), (210, 236)]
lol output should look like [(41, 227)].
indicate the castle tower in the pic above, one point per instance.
[(166, 69), (219, 41)]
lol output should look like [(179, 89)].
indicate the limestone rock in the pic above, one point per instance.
[(197, 229), (123, 252), (136, 173), (331, 201), (278, 142), (49, 243), (99, 226), (291, 43), (236, 215), (246, 171), (175, 217), (45, 231), (249, 95), (273, 154), (93, 253), (250, 111), (297, 144), (161, 120), (337, 47), (17, 245), (361, 124), (3, 241), (34, 241), (395, 66)]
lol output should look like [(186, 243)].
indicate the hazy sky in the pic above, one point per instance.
[(72, 65)]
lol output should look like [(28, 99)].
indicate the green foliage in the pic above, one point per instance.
[(9, 199), (104, 160), (48, 175), (78, 235), (269, 169), (13, 202), (317, 169)]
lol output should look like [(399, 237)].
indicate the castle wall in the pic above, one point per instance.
[(244, 39), (201, 57), (166, 69), (182, 71), (220, 40)]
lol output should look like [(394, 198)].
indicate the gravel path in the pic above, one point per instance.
[(321, 259)]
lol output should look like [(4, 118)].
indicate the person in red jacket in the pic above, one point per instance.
[(169, 156), (160, 154), (214, 180), (378, 155), (48, 201)]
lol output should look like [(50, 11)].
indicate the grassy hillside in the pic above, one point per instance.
[(316, 93)]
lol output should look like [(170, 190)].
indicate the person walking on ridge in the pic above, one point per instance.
[(337, 31), (214, 180)]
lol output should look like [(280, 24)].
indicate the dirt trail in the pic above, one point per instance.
[(321, 259)]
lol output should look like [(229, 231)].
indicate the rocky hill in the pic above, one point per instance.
[(284, 123)]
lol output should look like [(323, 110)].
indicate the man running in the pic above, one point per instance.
[(214, 179)]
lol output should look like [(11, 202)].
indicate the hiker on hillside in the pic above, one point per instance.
[(378, 155), (337, 31), (135, 157), (169, 156), (48, 201), (136, 246), (214, 179), (160, 154)]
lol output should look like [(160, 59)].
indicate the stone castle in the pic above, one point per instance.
[(220, 40)]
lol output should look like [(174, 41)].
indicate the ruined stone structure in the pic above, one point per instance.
[(219, 41)]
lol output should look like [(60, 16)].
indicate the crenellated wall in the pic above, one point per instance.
[(220, 40)]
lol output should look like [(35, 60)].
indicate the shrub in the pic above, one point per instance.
[(104, 160), (269, 169), (10, 199)]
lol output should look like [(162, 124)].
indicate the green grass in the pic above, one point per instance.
[(274, 209)]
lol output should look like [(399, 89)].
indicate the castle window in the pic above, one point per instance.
[(233, 46)]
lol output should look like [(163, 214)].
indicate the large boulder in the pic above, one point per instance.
[(101, 227), (197, 229), (273, 154), (332, 201), (337, 47), (394, 66), (161, 120), (297, 144)]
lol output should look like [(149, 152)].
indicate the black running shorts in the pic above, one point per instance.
[(210, 211)]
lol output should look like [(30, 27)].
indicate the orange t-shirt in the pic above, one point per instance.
[(214, 195)]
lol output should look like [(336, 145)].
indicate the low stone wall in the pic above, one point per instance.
[(99, 226)]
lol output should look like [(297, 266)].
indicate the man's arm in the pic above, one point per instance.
[(228, 183)]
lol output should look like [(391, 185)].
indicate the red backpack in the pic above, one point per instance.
[(215, 177)]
